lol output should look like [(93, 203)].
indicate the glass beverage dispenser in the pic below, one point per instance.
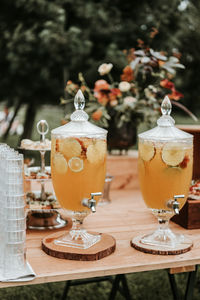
[(165, 173), (78, 164)]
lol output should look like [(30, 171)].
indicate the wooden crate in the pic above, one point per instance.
[(189, 216), (195, 131)]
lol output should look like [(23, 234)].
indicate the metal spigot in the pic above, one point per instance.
[(174, 204), (91, 203)]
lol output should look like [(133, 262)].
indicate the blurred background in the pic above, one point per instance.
[(45, 43)]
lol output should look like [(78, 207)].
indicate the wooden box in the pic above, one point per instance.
[(189, 216)]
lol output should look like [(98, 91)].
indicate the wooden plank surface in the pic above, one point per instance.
[(125, 218), (182, 269)]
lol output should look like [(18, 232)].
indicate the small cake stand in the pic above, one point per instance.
[(41, 204)]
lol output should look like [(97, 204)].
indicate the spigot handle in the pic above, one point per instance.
[(174, 204), (178, 197), (91, 203), (95, 194)]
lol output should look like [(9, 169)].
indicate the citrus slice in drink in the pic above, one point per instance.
[(70, 147), (86, 141), (173, 154), (146, 151), (96, 152), (60, 163), (76, 164)]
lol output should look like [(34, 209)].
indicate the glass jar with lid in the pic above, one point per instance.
[(78, 164)]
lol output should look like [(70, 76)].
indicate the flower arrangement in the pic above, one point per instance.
[(120, 105)]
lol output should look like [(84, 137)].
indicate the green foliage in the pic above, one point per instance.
[(27, 67), (44, 43)]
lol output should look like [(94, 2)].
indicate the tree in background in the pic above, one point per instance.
[(189, 36), (43, 43), (34, 48)]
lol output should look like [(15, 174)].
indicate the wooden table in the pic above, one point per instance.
[(124, 218)]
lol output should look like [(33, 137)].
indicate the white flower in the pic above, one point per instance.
[(129, 100), (145, 60), (124, 86), (113, 103), (104, 69)]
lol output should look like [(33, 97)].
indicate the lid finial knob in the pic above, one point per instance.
[(79, 100), (79, 103), (166, 106)]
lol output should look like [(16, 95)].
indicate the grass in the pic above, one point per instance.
[(153, 285)]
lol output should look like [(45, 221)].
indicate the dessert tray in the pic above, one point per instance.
[(41, 202)]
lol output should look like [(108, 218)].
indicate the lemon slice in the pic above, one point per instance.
[(173, 154), (96, 152), (76, 164), (146, 151), (60, 163), (70, 147)]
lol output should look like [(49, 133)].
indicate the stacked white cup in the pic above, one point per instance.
[(12, 212)]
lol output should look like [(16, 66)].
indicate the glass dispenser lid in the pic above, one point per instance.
[(166, 130), (79, 124)]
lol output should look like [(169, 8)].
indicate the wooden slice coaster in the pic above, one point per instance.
[(179, 249), (103, 248)]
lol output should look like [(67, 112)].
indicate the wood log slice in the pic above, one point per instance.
[(103, 248), (160, 250)]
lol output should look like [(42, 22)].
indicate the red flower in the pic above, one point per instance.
[(140, 43), (101, 90), (167, 84), (101, 85), (175, 95), (114, 93), (69, 82), (101, 97), (127, 74), (96, 116)]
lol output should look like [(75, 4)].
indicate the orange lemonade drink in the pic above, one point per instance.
[(165, 170), (78, 167)]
